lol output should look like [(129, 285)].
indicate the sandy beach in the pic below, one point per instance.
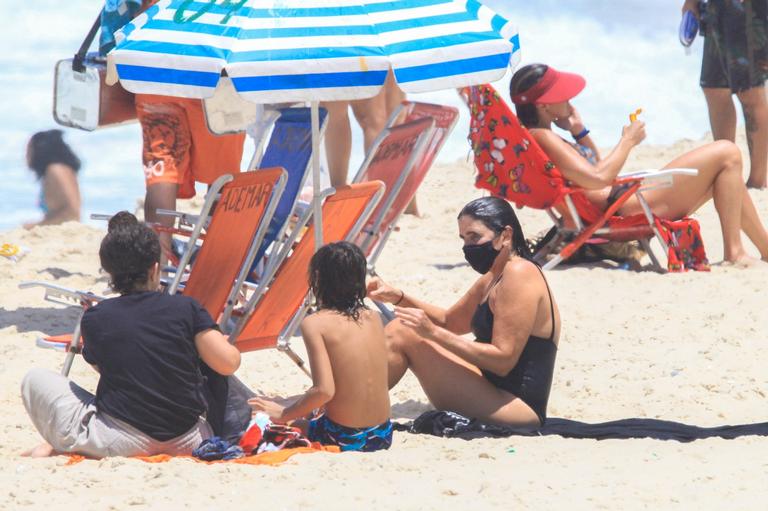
[(682, 347)]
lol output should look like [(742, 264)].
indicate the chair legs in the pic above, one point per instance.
[(285, 347)]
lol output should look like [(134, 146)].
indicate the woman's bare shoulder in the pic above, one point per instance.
[(520, 271)]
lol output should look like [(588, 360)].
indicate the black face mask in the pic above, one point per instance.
[(481, 257)]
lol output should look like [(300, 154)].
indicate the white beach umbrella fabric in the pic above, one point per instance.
[(277, 51), (312, 50)]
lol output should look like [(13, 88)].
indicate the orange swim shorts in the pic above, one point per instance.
[(178, 148)]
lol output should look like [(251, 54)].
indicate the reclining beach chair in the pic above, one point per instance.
[(275, 309), (244, 204), (290, 147), (400, 172), (396, 154), (511, 165)]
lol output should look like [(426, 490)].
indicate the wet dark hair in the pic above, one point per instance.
[(337, 278), (47, 147), (497, 214), (121, 219), (523, 79), (128, 252)]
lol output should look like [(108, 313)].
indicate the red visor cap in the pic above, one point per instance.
[(554, 87)]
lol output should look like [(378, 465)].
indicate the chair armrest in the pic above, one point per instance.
[(651, 174), (63, 295), (185, 219)]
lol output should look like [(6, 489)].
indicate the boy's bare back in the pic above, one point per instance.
[(358, 359)]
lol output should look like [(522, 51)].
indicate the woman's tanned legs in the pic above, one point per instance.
[(451, 383), (720, 177)]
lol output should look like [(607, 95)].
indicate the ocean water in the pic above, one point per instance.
[(627, 50)]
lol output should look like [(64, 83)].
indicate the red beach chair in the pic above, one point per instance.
[(511, 165)]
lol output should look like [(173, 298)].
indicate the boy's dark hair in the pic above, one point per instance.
[(47, 147), (127, 253), (121, 219), (496, 214), (523, 79), (337, 278)]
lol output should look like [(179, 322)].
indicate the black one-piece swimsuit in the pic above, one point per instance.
[(531, 378)]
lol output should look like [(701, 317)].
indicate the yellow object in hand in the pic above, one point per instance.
[(633, 115)]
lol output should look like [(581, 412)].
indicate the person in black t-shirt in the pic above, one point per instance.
[(147, 347)]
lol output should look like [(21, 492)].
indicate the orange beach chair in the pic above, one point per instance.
[(513, 166), (424, 131), (244, 205), (277, 306)]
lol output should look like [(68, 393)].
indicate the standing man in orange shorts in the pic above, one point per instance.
[(179, 150)]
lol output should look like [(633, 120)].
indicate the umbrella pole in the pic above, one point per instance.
[(317, 211)]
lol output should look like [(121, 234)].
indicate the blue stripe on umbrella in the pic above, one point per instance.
[(426, 21), (242, 33), (451, 68), (166, 75), (309, 81), (178, 49)]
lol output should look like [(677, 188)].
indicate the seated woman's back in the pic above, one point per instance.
[(358, 357)]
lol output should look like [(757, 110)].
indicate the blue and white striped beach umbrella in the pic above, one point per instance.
[(278, 51), (312, 50)]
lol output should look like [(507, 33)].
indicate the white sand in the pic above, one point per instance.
[(683, 347)]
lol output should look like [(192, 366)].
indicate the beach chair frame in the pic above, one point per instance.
[(69, 297), (569, 201), (296, 208), (376, 234), (211, 198), (288, 330)]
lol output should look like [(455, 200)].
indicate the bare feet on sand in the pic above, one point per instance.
[(756, 186), (40, 451), (745, 262)]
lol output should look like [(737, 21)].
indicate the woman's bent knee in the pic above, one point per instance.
[(729, 153)]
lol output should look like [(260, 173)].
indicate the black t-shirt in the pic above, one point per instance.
[(144, 347)]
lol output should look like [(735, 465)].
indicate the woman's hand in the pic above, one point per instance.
[(572, 123), (693, 6), (418, 320), (274, 410), (380, 291), (634, 133)]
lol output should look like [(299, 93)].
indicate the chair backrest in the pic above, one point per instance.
[(445, 118), (238, 224), (393, 158), (274, 313), (290, 147), (508, 160)]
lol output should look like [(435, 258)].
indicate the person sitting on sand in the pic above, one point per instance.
[(504, 376), (348, 357), (56, 166), (542, 97), (147, 347)]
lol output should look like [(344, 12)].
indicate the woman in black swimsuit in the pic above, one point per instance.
[(542, 98), (505, 375)]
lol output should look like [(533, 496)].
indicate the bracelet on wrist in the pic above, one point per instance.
[(583, 133), (402, 295)]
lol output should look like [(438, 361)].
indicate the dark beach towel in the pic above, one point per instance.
[(449, 424)]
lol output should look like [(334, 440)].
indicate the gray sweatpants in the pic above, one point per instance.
[(65, 414)]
